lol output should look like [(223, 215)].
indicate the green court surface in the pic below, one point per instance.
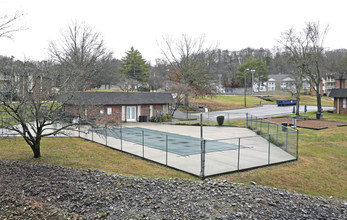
[(173, 143)]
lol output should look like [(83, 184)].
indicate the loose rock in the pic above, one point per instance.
[(33, 191)]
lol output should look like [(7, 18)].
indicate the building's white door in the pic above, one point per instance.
[(131, 113)]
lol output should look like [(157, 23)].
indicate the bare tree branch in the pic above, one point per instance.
[(188, 60), (9, 24), (79, 54)]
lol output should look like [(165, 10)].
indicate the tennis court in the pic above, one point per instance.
[(223, 149), (182, 145)]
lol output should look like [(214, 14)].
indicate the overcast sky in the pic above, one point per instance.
[(231, 24)]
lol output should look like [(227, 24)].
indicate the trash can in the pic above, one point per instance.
[(318, 114), (143, 118), (284, 126), (220, 120)]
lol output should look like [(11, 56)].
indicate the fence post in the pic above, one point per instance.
[(143, 143), (79, 128), (251, 122), (268, 127), (92, 133), (202, 173), (238, 155), (261, 125), (277, 134), (269, 150), (297, 144), (247, 120), (121, 138), (2, 125), (166, 148), (106, 133), (286, 140)]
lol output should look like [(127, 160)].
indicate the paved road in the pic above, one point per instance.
[(263, 111)]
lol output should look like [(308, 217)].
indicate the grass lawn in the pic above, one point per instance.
[(218, 103), (78, 153), (321, 169)]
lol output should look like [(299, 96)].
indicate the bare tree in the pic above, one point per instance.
[(297, 47), (31, 105), (306, 51), (80, 55), (316, 36), (188, 60), (10, 24), (158, 75)]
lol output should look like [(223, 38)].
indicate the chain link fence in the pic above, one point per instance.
[(285, 137)]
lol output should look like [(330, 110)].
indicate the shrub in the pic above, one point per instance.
[(161, 117), (143, 89)]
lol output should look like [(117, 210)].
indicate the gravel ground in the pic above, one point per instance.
[(51, 192)]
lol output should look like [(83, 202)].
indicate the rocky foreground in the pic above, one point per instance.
[(51, 192)]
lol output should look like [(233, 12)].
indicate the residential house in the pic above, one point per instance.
[(340, 94), (18, 85), (5, 82), (328, 83), (283, 82), (341, 81), (116, 107)]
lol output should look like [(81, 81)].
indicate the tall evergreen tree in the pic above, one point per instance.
[(134, 69)]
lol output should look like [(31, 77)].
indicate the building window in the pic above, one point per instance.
[(344, 103), (101, 111), (109, 110)]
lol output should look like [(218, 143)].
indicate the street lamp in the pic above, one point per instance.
[(252, 79), (244, 75)]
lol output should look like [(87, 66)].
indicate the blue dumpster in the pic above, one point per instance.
[(286, 102)]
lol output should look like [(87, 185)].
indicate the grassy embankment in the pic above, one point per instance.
[(78, 153)]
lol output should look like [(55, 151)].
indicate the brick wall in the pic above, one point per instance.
[(338, 103), (93, 112), (339, 84), (115, 115)]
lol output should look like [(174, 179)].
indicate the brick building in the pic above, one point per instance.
[(116, 107), (340, 94)]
